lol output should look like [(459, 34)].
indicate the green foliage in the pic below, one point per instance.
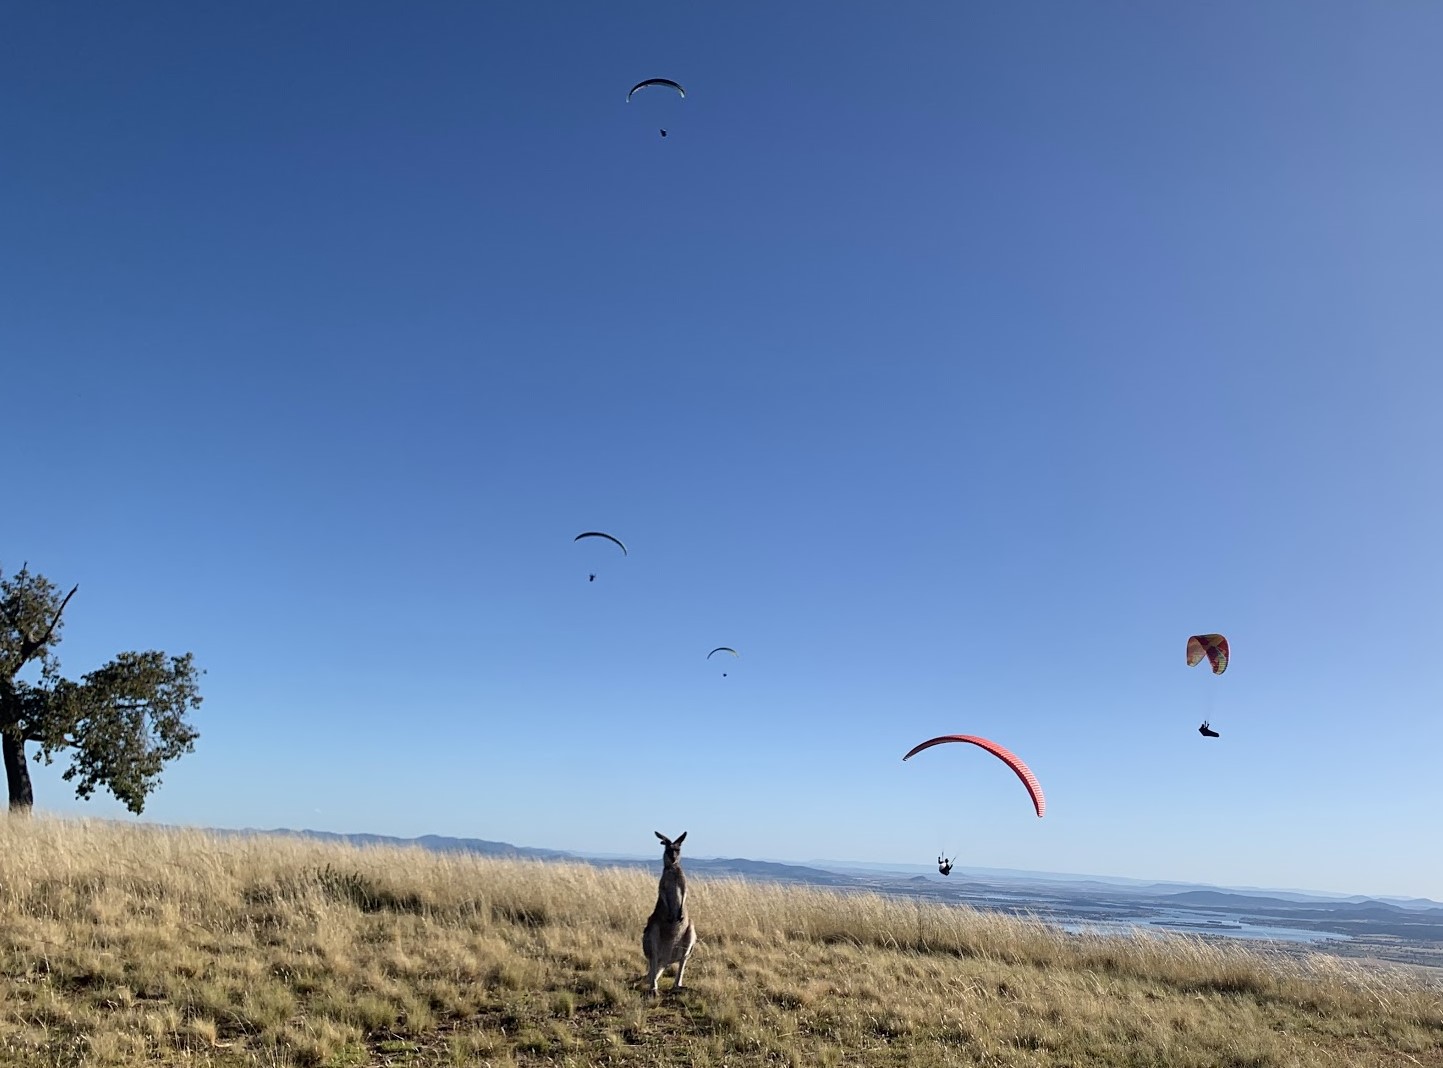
[(30, 607), (120, 724)]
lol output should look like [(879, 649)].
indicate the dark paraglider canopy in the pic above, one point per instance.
[(599, 534), (656, 81), (723, 649)]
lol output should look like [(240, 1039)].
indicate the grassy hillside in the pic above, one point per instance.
[(136, 946)]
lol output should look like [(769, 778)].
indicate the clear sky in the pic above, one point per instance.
[(953, 362)]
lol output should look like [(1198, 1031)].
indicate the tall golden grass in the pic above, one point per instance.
[(126, 945)]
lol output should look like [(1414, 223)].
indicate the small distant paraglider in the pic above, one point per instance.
[(1207, 731), (591, 577), (665, 82), (944, 866), (723, 649)]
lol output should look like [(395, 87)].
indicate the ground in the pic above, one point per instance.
[(129, 946)]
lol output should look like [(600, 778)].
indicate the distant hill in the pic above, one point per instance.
[(762, 870), (1418, 917), (770, 871), (1107, 884), (434, 842), (1357, 918), (1361, 908)]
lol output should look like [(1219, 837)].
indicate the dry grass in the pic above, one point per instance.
[(138, 946)]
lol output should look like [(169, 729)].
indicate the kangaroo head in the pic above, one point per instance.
[(670, 849)]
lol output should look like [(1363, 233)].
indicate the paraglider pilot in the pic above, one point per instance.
[(1206, 731), (944, 865)]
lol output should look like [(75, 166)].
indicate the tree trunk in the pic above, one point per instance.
[(22, 798)]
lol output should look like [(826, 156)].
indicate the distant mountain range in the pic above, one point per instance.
[(1117, 883), (863, 875), (761, 870)]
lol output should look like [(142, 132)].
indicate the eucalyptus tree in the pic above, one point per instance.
[(119, 725)]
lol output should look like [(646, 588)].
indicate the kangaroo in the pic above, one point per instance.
[(669, 936)]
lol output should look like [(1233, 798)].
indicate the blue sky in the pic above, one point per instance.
[(952, 362)]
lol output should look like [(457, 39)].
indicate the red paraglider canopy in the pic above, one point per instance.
[(1029, 780)]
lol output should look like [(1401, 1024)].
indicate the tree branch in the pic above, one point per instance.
[(27, 650)]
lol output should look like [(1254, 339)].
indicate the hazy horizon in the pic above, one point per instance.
[(886, 865)]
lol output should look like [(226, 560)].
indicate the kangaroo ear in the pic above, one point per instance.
[(663, 837), (680, 840)]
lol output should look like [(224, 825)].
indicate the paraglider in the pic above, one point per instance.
[(1023, 772), (656, 81), (665, 82), (599, 534), (1213, 646), (944, 865), (723, 649)]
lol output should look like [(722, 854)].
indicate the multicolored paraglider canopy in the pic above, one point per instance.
[(1213, 646), (1029, 780)]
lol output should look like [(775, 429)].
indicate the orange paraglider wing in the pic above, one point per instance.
[(1213, 646), (1029, 780)]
